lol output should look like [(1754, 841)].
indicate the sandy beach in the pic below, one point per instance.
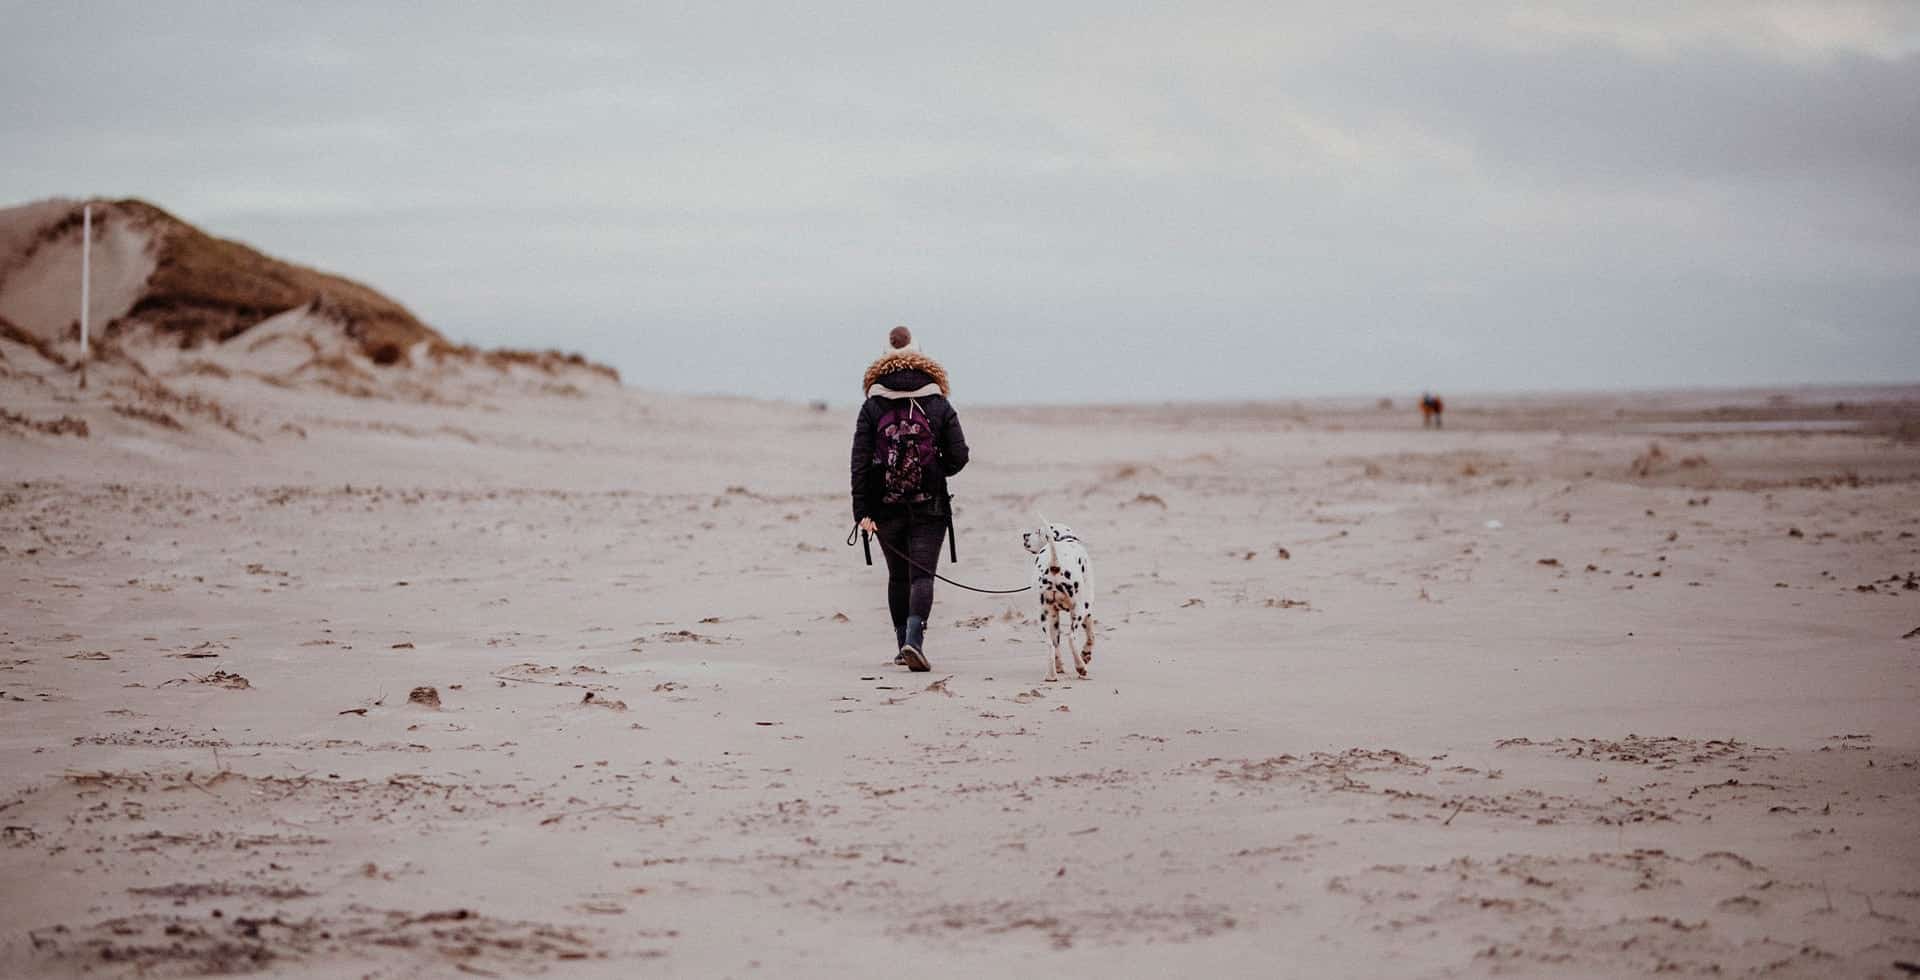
[(431, 433), (1523, 696)]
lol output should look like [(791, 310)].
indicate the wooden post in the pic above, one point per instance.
[(86, 283)]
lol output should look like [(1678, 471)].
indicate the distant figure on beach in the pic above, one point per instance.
[(1430, 408), (905, 446)]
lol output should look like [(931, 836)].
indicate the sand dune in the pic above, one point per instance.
[(1508, 699), (187, 329)]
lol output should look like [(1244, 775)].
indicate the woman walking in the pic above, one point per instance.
[(905, 446)]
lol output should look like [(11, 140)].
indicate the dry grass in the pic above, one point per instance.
[(65, 425), (209, 289), (192, 404), (150, 416), (506, 358), (204, 369), (19, 335)]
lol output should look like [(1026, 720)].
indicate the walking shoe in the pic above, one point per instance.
[(910, 648), (900, 640)]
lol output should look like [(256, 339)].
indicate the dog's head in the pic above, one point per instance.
[(1035, 541)]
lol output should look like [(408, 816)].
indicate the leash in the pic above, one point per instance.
[(864, 536)]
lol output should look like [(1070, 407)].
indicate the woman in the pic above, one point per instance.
[(906, 444)]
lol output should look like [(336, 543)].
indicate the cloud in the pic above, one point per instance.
[(1476, 195)]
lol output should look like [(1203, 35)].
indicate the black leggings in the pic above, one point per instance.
[(910, 590)]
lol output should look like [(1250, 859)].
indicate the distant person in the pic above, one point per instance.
[(1430, 408), (905, 446)]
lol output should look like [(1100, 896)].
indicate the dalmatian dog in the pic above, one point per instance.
[(1063, 577)]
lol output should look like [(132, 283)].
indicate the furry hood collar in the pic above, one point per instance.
[(904, 359)]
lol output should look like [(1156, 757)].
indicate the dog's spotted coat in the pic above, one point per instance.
[(1063, 578)]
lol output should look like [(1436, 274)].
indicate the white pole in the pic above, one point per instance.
[(86, 282)]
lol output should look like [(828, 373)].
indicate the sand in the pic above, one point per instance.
[(42, 278), (1368, 700)]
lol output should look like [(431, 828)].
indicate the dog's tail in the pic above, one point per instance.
[(1053, 553)]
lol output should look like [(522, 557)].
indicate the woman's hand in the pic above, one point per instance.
[(867, 525)]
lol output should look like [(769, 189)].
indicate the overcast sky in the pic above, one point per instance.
[(1067, 201)]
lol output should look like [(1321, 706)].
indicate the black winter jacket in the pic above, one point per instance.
[(949, 440)]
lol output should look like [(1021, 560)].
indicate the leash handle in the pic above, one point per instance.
[(953, 533), (865, 541)]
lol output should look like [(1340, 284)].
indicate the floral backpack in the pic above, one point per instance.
[(905, 451)]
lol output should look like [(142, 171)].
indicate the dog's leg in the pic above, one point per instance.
[(1054, 667), (1086, 609), (1079, 656), (1060, 635)]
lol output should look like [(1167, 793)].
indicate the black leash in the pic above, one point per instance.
[(864, 536)]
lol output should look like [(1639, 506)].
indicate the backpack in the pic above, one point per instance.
[(905, 452)]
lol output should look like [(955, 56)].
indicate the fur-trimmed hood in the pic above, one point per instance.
[(905, 359)]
